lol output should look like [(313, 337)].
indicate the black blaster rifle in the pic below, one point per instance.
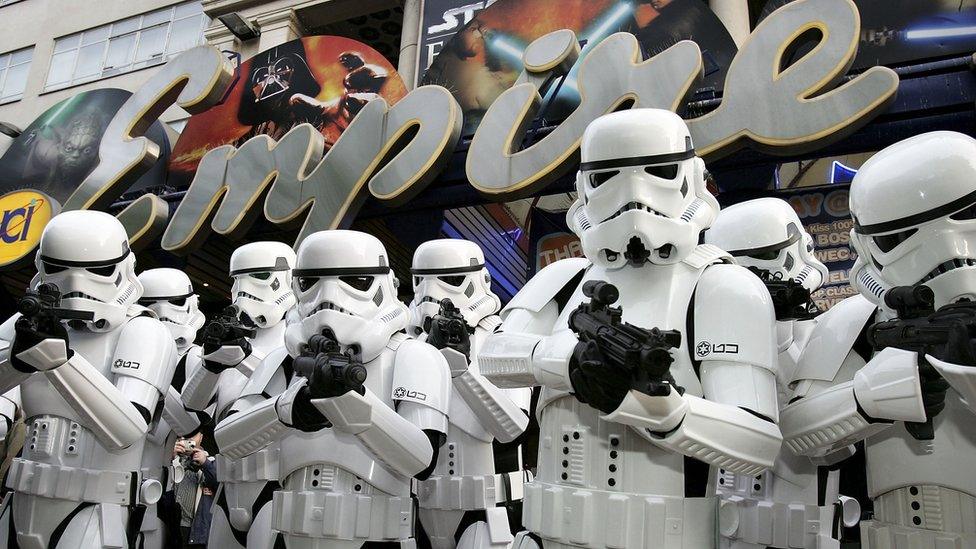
[(43, 306), (791, 300), (228, 326), (918, 327), (642, 352), (448, 329), (324, 352)]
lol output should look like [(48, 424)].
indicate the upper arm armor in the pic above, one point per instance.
[(547, 284), (832, 339), (144, 361), (734, 319), (421, 375)]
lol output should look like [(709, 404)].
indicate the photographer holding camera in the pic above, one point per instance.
[(195, 484)]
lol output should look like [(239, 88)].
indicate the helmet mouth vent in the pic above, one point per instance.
[(81, 295), (637, 254), (249, 296), (631, 206), (947, 266), (330, 306)]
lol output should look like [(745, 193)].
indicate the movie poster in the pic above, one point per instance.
[(440, 21), (485, 57), (894, 33), (824, 213), (58, 150), (320, 80)]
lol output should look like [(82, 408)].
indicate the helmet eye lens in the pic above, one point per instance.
[(965, 215), (177, 301), (455, 280), (765, 256), (359, 283), (107, 270), (51, 268), (598, 179), (664, 171), (261, 276), (305, 283), (888, 242)]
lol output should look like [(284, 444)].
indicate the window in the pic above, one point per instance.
[(13, 74), (127, 45)]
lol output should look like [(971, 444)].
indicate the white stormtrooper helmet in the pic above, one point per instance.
[(169, 294), (86, 255), (452, 269), (914, 209), (766, 234), (262, 281), (642, 194), (344, 283)]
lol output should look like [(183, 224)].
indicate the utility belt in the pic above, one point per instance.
[(337, 515), (793, 525), (261, 466), (470, 492), (881, 535), (926, 507), (585, 517), (77, 484)]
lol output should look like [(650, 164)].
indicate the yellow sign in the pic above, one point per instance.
[(23, 216)]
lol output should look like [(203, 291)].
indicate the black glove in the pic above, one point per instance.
[(595, 383), (442, 336), (29, 333)]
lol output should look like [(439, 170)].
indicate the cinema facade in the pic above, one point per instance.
[(322, 131)]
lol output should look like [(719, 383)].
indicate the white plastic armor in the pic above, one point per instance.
[(465, 479), (169, 294), (262, 281), (87, 415), (263, 294), (782, 507), (608, 480), (913, 205), (360, 467)]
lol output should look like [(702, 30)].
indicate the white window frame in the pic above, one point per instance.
[(5, 66), (133, 65)]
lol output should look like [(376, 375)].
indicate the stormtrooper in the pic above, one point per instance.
[(914, 209), (785, 506), (90, 388), (462, 503), (638, 400), (169, 294), (362, 408), (261, 295)]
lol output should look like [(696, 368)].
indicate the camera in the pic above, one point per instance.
[(186, 458)]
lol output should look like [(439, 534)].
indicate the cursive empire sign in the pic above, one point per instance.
[(394, 152)]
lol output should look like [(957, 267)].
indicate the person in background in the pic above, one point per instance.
[(195, 474)]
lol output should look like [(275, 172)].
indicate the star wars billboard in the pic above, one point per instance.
[(319, 80), (484, 57)]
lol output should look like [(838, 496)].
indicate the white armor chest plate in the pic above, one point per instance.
[(577, 448), (896, 460), (56, 434), (343, 451)]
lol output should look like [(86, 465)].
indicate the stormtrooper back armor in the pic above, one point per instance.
[(766, 234), (912, 205), (617, 478), (464, 487), (89, 395), (360, 468), (262, 281)]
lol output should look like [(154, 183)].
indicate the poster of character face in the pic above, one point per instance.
[(485, 57), (58, 150), (320, 80), (895, 33)]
